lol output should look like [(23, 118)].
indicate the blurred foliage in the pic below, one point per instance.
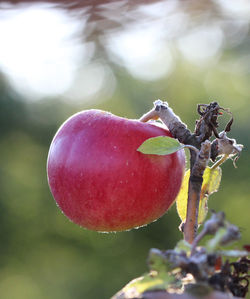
[(43, 254)]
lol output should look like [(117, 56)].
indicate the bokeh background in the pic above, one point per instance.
[(60, 57)]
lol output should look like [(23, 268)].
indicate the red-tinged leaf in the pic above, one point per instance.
[(247, 247)]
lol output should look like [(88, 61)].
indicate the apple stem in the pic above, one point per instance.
[(152, 114)]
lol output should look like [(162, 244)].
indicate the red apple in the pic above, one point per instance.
[(99, 179)]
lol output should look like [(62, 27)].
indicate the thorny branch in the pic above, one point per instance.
[(205, 128)]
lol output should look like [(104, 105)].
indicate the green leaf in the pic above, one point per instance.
[(148, 282), (211, 183), (213, 244), (157, 261), (160, 145), (181, 200), (183, 245), (159, 278)]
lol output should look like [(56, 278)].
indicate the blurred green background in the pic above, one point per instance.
[(60, 57)]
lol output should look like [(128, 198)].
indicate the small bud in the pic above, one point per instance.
[(158, 103), (212, 225), (232, 234)]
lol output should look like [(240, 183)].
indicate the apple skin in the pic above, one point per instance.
[(99, 179)]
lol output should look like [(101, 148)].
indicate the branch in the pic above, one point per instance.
[(194, 190), (165, 295), (177, 128), (205, 127), (201, 263)]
